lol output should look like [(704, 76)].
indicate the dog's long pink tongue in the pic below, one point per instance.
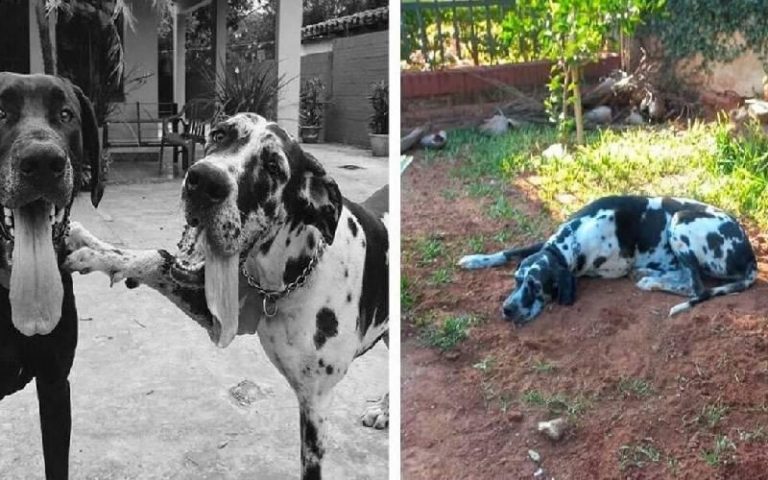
[(221, 292), (36, 292)]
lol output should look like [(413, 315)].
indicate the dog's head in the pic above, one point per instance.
[(540, 278), (253, 181), (48, 135)]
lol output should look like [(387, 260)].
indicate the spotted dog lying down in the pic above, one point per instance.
[(270, 246), (668, 243)]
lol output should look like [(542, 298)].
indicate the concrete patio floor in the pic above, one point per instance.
[(151, 393)]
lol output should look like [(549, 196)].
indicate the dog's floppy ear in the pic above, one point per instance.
[(91, 144), (566, 286), (322, 206)]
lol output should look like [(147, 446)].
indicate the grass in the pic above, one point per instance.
[(638, 455), (542, 366), (442, 276), (556, 404), (430, 249), (635, 387), (485, 366), (722, 452), (476, 244), (448, 334), (407, 299), (712, 414)]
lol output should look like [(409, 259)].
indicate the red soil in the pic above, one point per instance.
[(715, 354)]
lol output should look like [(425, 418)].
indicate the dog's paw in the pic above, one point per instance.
[(377, 413), (649, 284), (472, 262), (83, 260)]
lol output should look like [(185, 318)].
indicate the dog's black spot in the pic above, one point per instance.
[(565, 247), (349, 297), (327, 326), (352, 226), (715, 243), (288, 241), (580, 261), (598, 262), (269, 208), (312, 472), (311, 242), (329, 370), (363, 243), (654, 265), (346, 273), (266, 246), (294, 266), (671, 205), (117, 251), (685, 240), (132, 283), (321, 363), (730, 230), (309, 436)]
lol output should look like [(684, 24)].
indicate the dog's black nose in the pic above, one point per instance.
[(43, 163), (207, 183), (509, 312)]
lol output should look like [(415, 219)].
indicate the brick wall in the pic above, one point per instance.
[(461, 96), (354, 64)]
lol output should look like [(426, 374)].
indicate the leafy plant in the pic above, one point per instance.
[(638, 455), (248, 87), (379, 98), (450, 333), (311, 103), (722, 452)]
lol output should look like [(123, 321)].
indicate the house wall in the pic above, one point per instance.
[(348, 71)]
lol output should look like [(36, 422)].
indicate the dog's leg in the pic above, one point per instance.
[(482, 260), (677, 282), (148, 267), (377, 413), (56, 424), (313, 435)]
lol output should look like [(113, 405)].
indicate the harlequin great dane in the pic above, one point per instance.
[(48, 138), (270, 246), (668, 243)]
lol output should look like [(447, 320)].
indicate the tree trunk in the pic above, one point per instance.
[(564, 116), (47, 44), (578, 113)]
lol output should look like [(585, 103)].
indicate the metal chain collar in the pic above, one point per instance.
[(272, 296)]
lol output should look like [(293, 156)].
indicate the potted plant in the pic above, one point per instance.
[(311, 109), (379, 122)]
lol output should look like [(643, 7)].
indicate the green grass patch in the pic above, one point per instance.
[(485, 366), (451, 332), (635, 387), (430, 249), (556, 404), (407, 299), (722, 452), (476, 244), (712, 414), (441, 276), (638, 455), (544, 367)]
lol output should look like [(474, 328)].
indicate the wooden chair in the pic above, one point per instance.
[(193, 118)]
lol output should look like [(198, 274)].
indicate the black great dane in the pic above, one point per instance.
[(48, 139), (271, 246), (669, 244)]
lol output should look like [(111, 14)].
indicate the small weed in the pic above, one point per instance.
[(501, 208), (450, 333), (635, 387), (406, 295), (424, 321), (722, 453), (673, 465), (485, 366), (442, 276), (430, 249), (476, 243), (482, 189), (557, 404), (712, 414), (505, 401), (489, 393), (542, 366), (638, 455), (502, 236)]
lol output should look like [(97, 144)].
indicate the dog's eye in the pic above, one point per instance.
[(218, 136), (66, 115), (272, 166), (3, 115)]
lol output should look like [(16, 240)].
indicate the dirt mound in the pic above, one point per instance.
[(646, 396)]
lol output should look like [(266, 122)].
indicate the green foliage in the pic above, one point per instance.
[(379, 98), (556, 404), (718, 31), (638, 455), (406, 294), (311, 102), (722, 453), (635, 387), (450, 333)]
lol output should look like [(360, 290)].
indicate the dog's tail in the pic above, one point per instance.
[(727, 289), (485, 260)]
